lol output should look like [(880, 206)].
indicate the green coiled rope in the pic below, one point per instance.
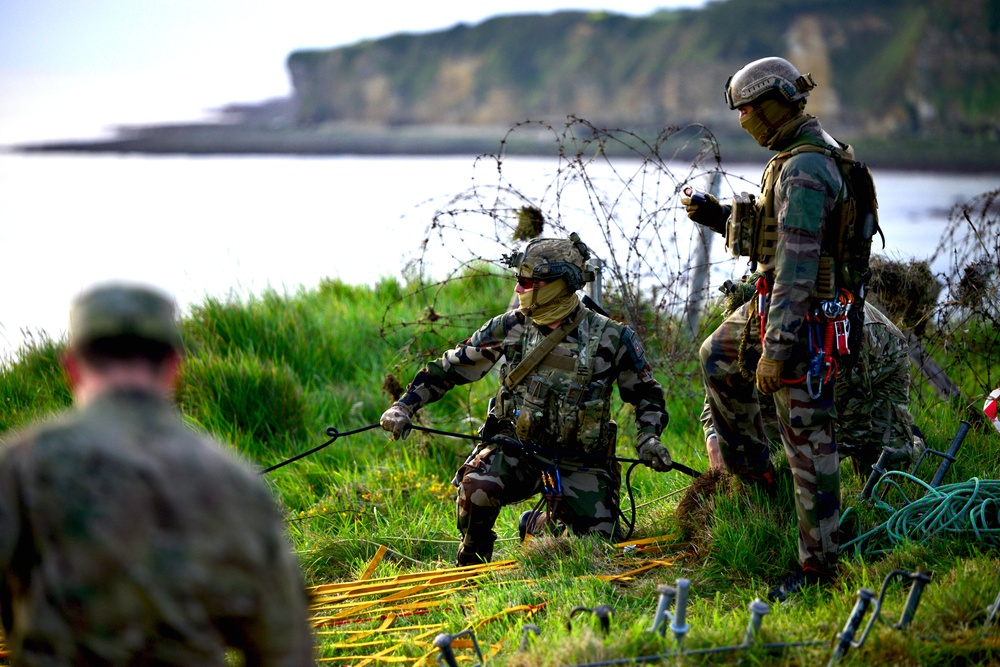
[(964, 510)]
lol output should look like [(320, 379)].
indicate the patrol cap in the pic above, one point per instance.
[(120, 309)]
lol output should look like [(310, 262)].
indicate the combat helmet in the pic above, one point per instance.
[(550, 259), (766, 75)]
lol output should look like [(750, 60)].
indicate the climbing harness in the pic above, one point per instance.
[(828, 331)]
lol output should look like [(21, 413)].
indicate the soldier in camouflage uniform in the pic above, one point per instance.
[(550, 426), (871, 400), (125, 537), (800, 193)]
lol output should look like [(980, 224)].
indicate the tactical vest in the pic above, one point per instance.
[(752, 228), (560, 405)]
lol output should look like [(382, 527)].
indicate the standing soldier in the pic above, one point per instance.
[(125, 537), (790, 235), (872, 400), (552, 411)]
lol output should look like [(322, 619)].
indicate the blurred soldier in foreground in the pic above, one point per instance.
[(871, 400), (784, 342), (125, 537), (552, 411)]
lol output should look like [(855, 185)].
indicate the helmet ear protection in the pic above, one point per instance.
[(766, 75)]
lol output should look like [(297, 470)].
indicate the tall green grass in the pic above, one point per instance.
[(270, 374)]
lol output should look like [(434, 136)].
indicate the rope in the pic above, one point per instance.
[(629, 522), (964, 510), (531, 447), (332, 432), (741, 356)]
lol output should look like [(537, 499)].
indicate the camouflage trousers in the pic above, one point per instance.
[(494, 477), (872, 402), (805, 424)]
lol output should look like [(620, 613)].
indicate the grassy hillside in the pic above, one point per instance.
[(271, 374), (280, 375)]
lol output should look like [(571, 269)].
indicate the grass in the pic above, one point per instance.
[(271, 374)]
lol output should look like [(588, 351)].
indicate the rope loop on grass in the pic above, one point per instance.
[(964, 510)]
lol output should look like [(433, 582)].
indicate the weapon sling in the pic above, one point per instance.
[(537, 354)]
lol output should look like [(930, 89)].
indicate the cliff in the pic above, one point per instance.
[(884, 67), (918, 81)]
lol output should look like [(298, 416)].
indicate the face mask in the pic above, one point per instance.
[(549, 303), (766, 119)]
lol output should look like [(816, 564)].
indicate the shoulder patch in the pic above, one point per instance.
[(631, 342)]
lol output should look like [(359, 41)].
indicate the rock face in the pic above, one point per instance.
[(896, 67)]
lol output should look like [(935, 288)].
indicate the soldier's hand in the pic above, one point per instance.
[(396, 420), (768, 375), (654, 454), (705, 209), (715, 459)]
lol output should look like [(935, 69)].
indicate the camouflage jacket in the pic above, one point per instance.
[(806, 192), (126, 538), (619, 358)]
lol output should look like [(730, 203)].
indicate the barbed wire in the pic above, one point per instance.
[(621, 192)]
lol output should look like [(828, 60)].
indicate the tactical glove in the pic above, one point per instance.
[(396, 420), (768, 375), (654, 454), (706, 210)]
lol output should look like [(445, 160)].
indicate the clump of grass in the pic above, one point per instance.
[(530, 223), (565, 555), (906, 291), (32, 383), (255, 402)]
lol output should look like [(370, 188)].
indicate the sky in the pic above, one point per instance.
[(78, 69)]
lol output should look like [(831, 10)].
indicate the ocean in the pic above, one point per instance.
[(235, 226)]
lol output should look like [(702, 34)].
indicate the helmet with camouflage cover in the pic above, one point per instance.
[(764, 76), (550, 259)]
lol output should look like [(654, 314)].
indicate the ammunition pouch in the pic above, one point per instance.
[(580, 417), (533, 421), (741, 225)]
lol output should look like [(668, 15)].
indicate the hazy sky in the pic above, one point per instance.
[(79, 68)]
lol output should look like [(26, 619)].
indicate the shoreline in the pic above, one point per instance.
[(948, 155)]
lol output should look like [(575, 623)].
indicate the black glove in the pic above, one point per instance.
[(706, 210)]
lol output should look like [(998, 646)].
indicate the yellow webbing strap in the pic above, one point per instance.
[(373, 563), (420, 592), (332, 593), (628, 575)]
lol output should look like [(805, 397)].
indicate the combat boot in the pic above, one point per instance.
[(476, 549), (532, 522), (798, 580), (766, 481)]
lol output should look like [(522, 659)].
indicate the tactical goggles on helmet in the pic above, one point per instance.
[(550, 259), (525, 282)]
